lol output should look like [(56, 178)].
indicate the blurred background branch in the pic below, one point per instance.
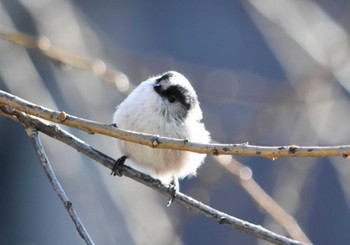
[(64, 57)]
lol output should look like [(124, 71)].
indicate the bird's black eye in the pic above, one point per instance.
[(172, 98)]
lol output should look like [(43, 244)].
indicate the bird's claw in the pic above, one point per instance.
[(116, 170), (173, 188)]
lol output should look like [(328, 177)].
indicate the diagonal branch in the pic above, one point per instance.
[(155, 141), (33, 135), (240, 171), (192, 204)]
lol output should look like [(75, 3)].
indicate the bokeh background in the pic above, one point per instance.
[(266, 72)]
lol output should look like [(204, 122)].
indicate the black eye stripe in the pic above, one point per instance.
[(165, 76), (182, 95)]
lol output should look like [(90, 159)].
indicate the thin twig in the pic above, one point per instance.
[(155, 141), (33, 135), (222, 218)]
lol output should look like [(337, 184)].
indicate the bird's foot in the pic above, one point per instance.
[(174, 189), (116, 170)]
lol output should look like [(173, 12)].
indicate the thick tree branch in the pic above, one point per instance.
[(192, 204), (33, 135), (155, 141)]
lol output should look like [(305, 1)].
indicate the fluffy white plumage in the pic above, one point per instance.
[(164, 105)]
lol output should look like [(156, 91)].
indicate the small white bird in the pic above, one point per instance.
[(164, 105)]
